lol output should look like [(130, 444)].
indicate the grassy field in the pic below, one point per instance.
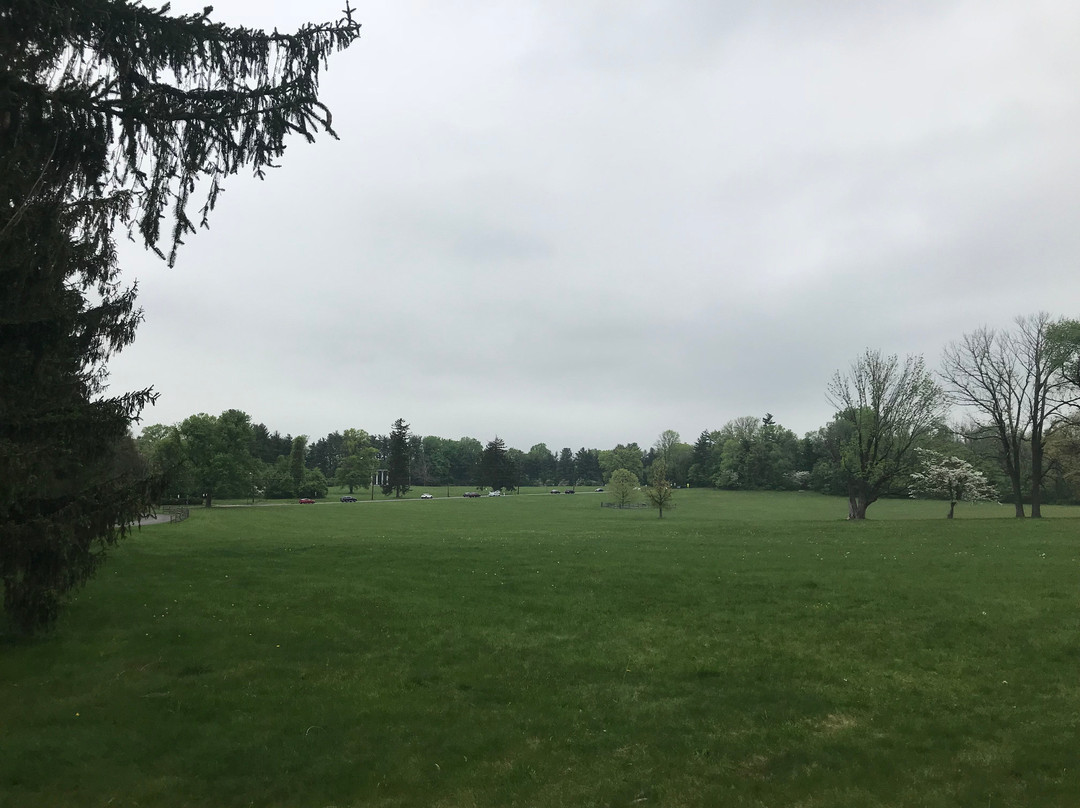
[(746, 650)]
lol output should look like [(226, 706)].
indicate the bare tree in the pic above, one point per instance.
[(981, 371), (1014, 381), (1051, 392), (887, 408)]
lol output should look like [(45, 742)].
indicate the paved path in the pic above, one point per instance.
[(155, 520)]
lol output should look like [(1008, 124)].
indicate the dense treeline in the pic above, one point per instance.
[(227, 456), (1020, 391)]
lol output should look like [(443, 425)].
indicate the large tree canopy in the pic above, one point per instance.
[(885, 409), (112, 115)]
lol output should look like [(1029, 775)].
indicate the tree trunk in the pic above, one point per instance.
[(208, 499), (1036, 479), (1018, 492), (857, 507), (952, 507)]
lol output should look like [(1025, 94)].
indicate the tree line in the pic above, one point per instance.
[(1016, 392)]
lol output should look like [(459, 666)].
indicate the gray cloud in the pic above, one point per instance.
[(585, 223)]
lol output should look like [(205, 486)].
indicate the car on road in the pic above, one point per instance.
[(494, 493), (347, 498), (556, 491), (306, 501), (470, 495), (569, 491), (599, 490), (426, 496)]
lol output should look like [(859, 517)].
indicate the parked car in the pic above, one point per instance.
[(470, 494), (494, 493), (599, 490), (556, 491), (569, 491), (426, 496), (306, 501), (347, 498)]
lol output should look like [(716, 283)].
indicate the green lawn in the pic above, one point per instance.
[(538, 650)]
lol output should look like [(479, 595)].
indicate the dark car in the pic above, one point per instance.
[(306, 501), (347, 498), (470, 494), (569, 491), (599, 490)]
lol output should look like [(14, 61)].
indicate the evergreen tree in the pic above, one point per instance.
[(326, 454), (587, 465), (496, 470), (397, 476), (111, 115), (565, 470), (701, 472)]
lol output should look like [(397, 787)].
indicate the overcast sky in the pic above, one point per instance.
[(583, 223)]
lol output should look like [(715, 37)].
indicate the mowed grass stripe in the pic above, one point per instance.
[(545, 651)]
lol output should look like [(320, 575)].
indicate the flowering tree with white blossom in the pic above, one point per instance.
[(950, 478)]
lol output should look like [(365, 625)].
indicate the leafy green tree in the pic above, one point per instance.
[(659, 492), (357, 469), (539, 465), (622, 457), (355, 440), (217, 450), (313, 485), (298, 462), (398, 477), (1063, 455), (888, 409), (464, 454), (622, 487), (419, 466), (514, 457), (112, 115), (437, 451), (277, 481)]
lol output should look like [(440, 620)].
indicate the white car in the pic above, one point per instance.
[(494, 493), (426, 496)]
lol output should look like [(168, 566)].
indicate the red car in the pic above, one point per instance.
[(306, 501)]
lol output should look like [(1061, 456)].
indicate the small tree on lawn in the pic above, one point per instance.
[(950, 478), (659, 493), (621, 487)]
